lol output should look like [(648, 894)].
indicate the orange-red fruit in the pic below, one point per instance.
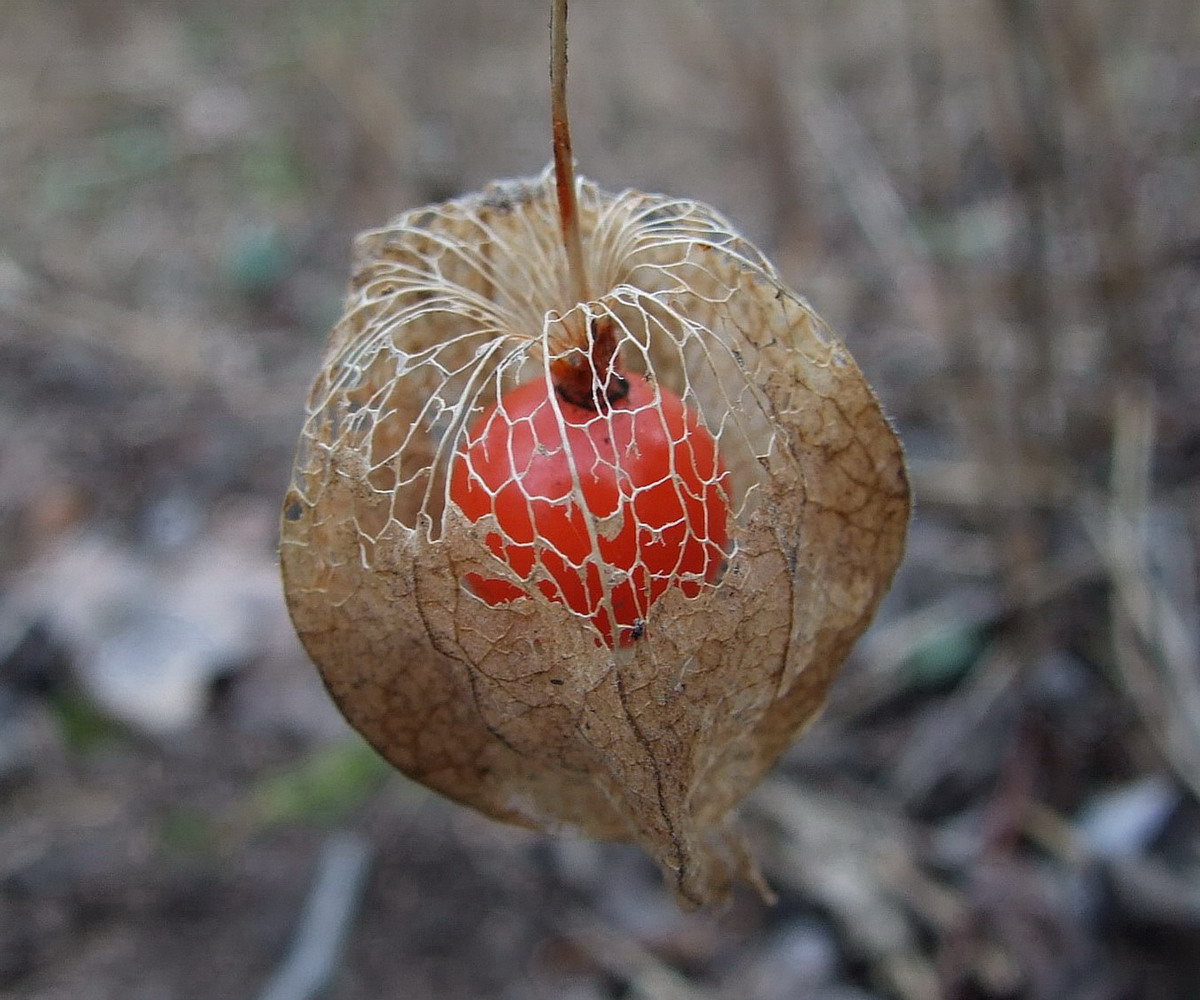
[(635, 494)]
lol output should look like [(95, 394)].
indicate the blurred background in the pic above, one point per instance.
[(996, 203)]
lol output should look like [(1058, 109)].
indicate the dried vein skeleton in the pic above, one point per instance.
[(516, 701)]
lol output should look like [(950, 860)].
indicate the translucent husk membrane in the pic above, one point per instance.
[(519, 709)]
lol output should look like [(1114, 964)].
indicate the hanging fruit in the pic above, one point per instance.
[(550, 465), (587, 510)]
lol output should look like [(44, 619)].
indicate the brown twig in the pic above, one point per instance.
[(564, 163), (593, 381)]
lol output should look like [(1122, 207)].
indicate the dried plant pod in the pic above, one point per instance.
[(461, 651)]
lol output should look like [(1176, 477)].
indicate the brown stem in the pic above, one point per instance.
[(564, 163), (592, 378)]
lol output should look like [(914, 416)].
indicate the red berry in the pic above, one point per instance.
[(634, 493)]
